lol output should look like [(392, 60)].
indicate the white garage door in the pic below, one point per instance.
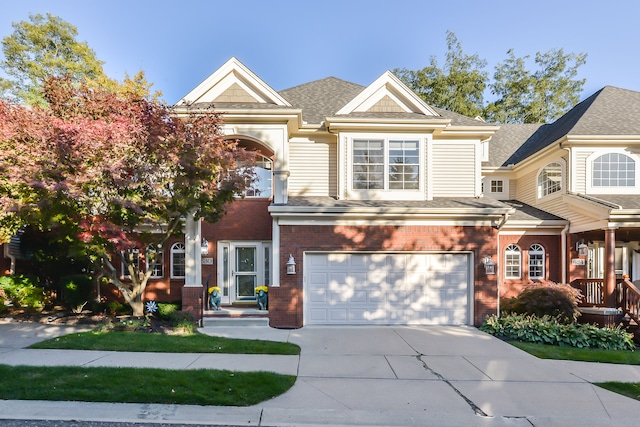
[(400, 288)]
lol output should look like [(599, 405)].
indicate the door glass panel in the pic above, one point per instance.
[(246, 274), (245, 259), (225, 271), (246, 286)]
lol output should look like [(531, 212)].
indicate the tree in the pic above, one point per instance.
[(522, 96), (538, 97), (458, 87), (46, 46), (123, 170)]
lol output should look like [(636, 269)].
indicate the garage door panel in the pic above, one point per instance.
[(354, 288)]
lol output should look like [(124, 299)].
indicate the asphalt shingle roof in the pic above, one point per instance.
[(609, 111)]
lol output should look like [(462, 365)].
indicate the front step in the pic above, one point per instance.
[(236, 316)]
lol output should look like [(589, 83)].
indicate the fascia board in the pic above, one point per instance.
[(587, 207), (337, 124), (597, 140), (279, 211)]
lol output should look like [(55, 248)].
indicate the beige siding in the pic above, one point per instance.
[(453, 170), (580, 168), (313, 168), (513, 189)]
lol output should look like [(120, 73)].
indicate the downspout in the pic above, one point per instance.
[(498, 264), (563, 235)]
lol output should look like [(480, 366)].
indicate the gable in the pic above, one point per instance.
[(389, 95), (233, 82)]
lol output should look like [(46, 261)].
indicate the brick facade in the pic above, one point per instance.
[(552, 245), (286, 301)]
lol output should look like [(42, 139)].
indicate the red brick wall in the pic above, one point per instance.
[(552, 245), (246, 219), (286, 310)]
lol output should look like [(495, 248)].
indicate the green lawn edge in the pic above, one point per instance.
[(206, 387), (164, 343)]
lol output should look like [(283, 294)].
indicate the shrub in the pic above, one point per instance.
[(166, 310), (548, 330), (546, 299), (183, 322), (22, 291), (77, 291)]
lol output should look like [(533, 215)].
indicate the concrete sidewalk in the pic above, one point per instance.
[(367, 376)]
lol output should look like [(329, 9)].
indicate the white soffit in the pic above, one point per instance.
[(388, 85), (233, 72)]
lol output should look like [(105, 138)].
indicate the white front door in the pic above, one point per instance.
[(242, 266)]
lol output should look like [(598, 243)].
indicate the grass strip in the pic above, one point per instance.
[(163, 343), (631, 390), (545, 351), (135, 385)]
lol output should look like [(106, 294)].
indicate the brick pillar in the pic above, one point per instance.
[(192, 301)]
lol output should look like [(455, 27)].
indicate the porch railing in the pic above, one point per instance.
[(629, 299), (592, 292), (627, 295)]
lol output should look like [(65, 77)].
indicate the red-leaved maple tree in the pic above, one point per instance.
[(124, 170)]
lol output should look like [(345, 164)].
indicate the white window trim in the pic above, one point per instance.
[(507, 252), (173, 251), (562, 180), (387, 194), (611, 190), (150, 267), (124, 273), (543, 253)]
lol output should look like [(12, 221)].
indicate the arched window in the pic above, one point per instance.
[(536, 261), (550, 179), (613, 170), (512, 262), (178, 266)]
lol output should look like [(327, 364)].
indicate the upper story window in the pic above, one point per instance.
[(261, 187), (512, 262), (550, 179), (536, 261), (385, 164), (613, 170), (178, 265)]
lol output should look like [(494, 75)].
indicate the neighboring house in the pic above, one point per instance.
[(397, 212)]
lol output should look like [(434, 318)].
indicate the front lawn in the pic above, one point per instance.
[(134, 385), (545, 351), (163, 343)]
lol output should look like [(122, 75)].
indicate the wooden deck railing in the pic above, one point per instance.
[(629, 298), (592, 292), (627, 295)]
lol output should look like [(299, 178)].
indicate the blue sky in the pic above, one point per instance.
[(290, 42)]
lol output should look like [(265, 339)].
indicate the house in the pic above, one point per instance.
[(373, 207)]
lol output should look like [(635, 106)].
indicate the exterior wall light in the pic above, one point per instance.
[(204, 247), (582, 248), (291, 265), (489, 266)]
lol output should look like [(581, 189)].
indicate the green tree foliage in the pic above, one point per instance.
[(535, 97), (43, 47), (522, 96), (458, 87)]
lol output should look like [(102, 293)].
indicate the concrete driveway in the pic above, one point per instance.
[(393, 376)]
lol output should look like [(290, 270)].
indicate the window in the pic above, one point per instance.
[(380, 164), (512, 262), (497, 186), (550, 179), (155, 261), (613, 170), (132, 257), (262, 185), (536, 261), (178, 266)]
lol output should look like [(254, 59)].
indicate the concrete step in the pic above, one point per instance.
[(234, 321)]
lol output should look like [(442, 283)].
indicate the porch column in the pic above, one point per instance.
[(192, 292), (610, 267)]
